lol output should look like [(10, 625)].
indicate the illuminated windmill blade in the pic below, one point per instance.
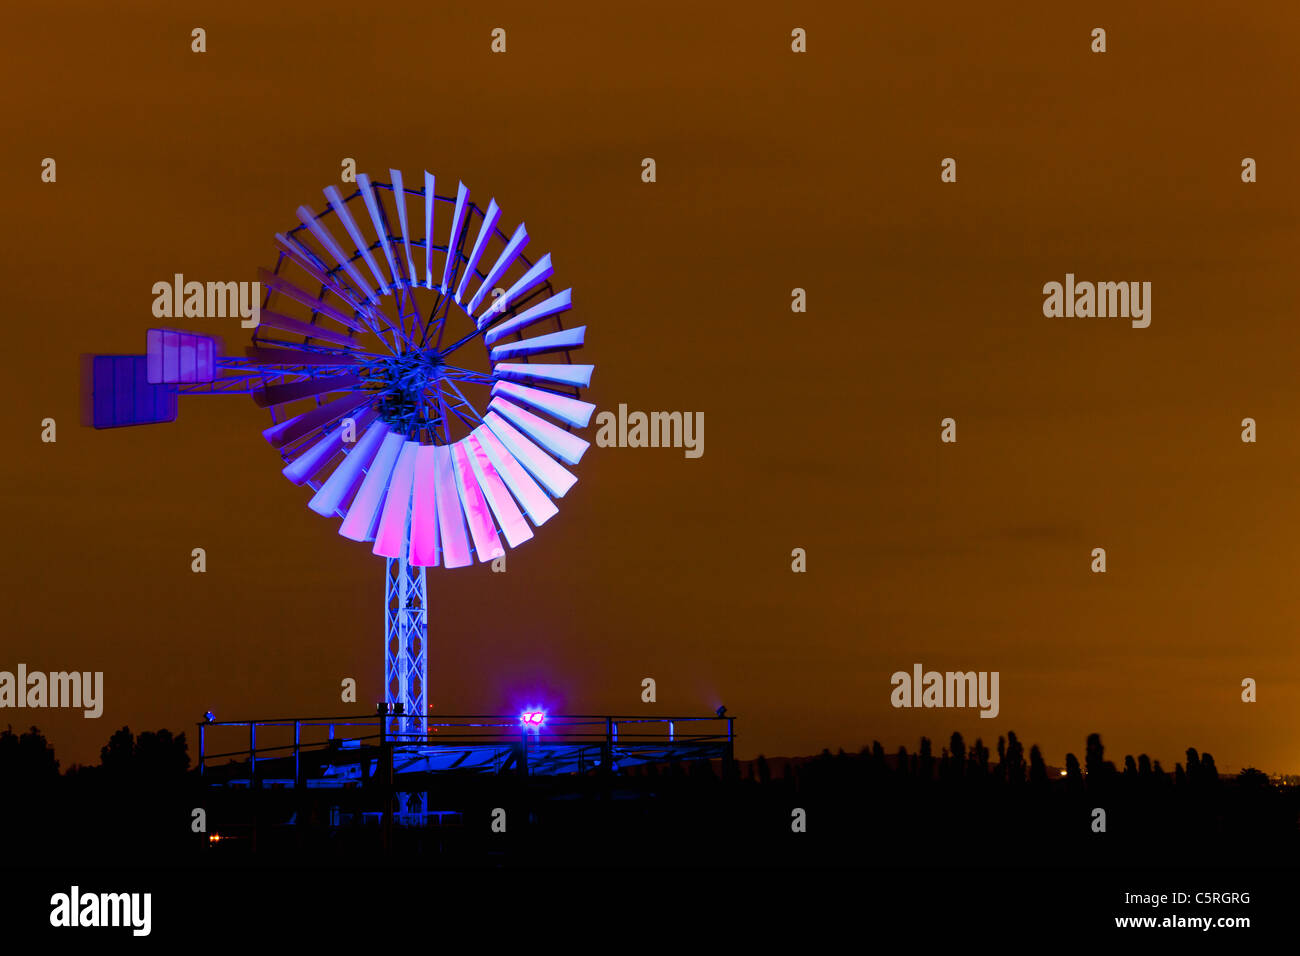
[(344, 478), (399, 199), (290, 430), (430, 199), (377, 220), (390, 538), (579, 375), (508, 255), (564, 407), (269, 395), (453, 241), (560, 302), (290, 358), (486, 228), (554, 477), (282, 285), (286, 323), (305, 260), (362, 519), (326, 239), (541, 271), (507, 513), (306, 466), (341, 210), (479, 518), (554, 439), (527, 492), (424, 511), (451, 520), (554, 342)]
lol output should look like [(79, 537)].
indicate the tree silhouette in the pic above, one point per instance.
[(1037, 768)]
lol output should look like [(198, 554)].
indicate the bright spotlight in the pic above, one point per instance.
[(532, 718)]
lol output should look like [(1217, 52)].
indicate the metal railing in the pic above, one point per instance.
[(461, 731)]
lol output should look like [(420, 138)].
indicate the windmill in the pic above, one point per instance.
[(369, 386)]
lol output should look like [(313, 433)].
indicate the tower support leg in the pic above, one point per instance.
[(406, 632)]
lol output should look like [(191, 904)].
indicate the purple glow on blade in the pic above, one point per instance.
[(282, 285), (483, 532), (305, 466), (508, 515), (424, 511), (363, 514), (451, 521), (555, 342), (526, 491), (508, 256), (564, 407), (564, 374), (453, 240), (354, 233), (306, 260), (429, 200), (287, 323), (391, 536), (567, 446), (372, 207), (485, 231), (540, 272), (326, 239), (543, 467), (399, 199), (287, 431), (179, 357), (557, 303), (344, 478), (270, 395)]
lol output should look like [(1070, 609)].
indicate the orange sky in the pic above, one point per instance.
[(775, 170)]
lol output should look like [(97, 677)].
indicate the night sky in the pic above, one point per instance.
[(775, 171)]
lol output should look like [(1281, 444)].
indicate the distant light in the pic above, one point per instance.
[(532, 718), (1062, 773), (209, 717), (721, 711)]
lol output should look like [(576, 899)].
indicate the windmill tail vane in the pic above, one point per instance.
[(435, 452)]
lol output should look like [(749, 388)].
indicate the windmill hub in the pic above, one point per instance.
[(406, 383)]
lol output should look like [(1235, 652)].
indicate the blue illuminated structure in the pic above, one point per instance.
[(358, 358)]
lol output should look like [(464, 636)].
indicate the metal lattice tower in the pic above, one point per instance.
[(406, 636)]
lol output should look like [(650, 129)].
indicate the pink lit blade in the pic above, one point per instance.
[(451, 521), (565, 445), (481, 529), (521, 484), (390, 539), (508, 515), (424, 511), (553, 476), (564, 407)]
